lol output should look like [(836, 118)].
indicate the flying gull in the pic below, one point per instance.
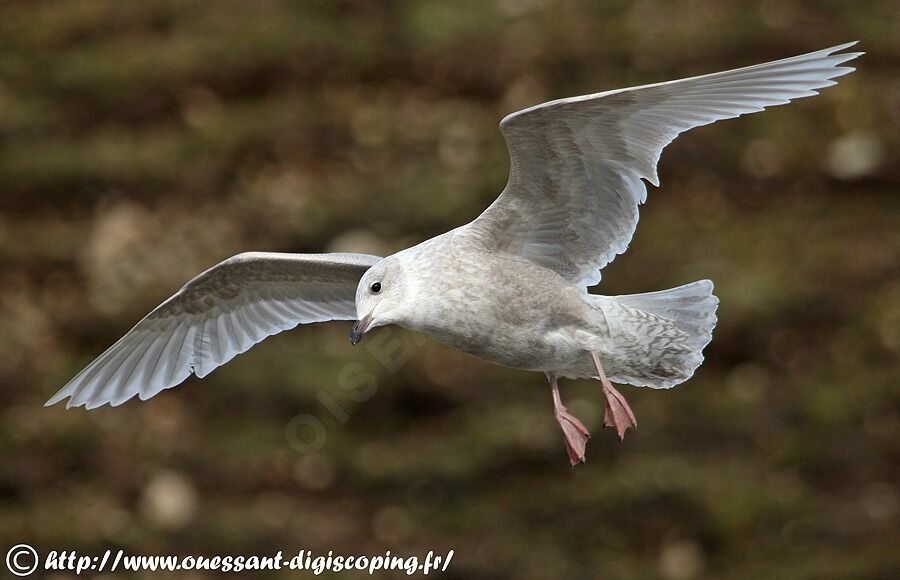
[(509, 287)]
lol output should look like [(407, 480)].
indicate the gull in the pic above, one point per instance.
[(511, 286)]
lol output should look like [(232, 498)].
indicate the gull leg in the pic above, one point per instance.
[(574, 432), (618, 414)]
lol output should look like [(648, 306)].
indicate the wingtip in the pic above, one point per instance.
[(59, 396), (848, 56), (71, 403), (840, 47)]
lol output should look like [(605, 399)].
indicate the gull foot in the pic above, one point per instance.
[(618, 413), (575, 433)]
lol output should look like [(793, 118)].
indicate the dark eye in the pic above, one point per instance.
[(376, 287)]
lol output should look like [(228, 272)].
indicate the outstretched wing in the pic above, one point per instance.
[(577, 164), (217, 316)]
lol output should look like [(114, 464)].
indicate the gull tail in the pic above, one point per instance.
[(659, 336)]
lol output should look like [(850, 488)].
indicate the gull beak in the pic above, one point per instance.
[(359, 329)]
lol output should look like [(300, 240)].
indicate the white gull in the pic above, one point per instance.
[(509, 287)]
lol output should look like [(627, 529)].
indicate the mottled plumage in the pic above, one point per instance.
[(509, 287)]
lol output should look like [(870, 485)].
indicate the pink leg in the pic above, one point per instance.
[(574, 432), (618, 414)]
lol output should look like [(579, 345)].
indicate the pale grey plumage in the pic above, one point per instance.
[(508, 287), (217, 316), (577, 164), (508, 310)]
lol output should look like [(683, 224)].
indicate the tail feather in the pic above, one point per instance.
[(661, 334), (691, 307)]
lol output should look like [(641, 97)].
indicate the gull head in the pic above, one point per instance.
[(379, 298)]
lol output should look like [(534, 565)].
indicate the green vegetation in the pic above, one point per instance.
[(141, 142)]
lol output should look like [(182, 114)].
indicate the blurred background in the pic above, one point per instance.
[(140, 143)]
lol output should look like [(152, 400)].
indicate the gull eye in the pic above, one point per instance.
[(376, 287)]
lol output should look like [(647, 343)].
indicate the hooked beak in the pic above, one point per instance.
[(359, 329)]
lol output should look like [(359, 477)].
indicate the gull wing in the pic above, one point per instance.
[(217, 316), (577, 164)]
